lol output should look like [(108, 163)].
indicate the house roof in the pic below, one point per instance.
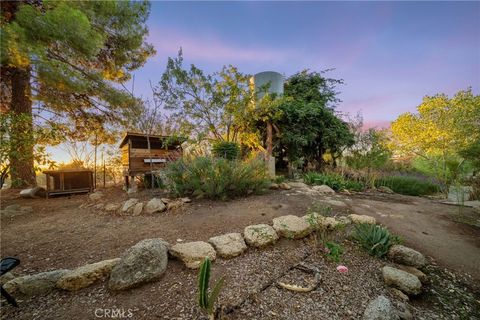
[(171, 140), (67, 170)]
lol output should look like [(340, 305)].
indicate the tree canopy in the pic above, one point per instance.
[(67, 56), (309, 127)]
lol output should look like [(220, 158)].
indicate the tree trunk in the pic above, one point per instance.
[(21, 141)]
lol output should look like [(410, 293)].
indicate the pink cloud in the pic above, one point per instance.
[(211, 48)]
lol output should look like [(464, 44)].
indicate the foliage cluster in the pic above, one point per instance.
[(334, 181), (376, 239), (408, 185), (226, 149), (217, 178), (334, 251)]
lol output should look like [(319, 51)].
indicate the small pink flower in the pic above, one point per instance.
[(342, 269)]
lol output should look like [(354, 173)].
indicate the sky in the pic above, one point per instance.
[(390, 54)]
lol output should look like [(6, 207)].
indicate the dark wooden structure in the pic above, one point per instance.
[(137, 159), (69, 181)]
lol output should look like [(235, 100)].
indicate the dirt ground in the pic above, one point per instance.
[(63, 233)]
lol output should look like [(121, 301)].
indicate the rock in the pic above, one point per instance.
[(404, 312), (284, 186), (129, 205), (329, 223), (111, 207), (35, 192), (6, 277), (344, 220), (356, 218), (229, 245), (95, 196), (155, 205), (402, 280), (299, 185), (399, 294), (385, 189), (274, 186), (144, 262), (99, 206), (165, 200), (186, 200), (133, 189), (137, 209), (37, 284), (175, 204), (407, 256), (291, 227), (417, 273), (260, 235), (86, 275), (323, 189), (193, 253), (380, 309)]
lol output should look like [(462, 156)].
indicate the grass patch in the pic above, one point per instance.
[(334, 181), (408, 185)]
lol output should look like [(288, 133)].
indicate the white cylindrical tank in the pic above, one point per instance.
[(273, 78)]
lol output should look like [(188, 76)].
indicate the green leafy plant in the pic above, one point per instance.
[(334, 181), (226, 149), (333, 251), (207, 300), (408, 185), (375, 239), (217, 178)]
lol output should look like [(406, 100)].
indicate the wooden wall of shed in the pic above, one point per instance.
[(137, 157), (125, 155)]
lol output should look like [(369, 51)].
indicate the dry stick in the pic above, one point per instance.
[(233, 308)]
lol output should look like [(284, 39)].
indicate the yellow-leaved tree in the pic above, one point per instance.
[(439, 132)]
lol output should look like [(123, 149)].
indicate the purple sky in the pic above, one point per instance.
[(390, 54)]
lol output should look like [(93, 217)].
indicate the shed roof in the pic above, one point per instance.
[(171, 140)]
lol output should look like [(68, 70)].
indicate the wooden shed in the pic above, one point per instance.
[(69, 181), (136, 157)]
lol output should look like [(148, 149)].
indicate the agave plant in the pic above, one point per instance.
[(207, 301), (373, 238)]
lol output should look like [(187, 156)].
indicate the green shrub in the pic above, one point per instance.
[(408, 185), (217, 178), (227, 150), (334, 252), (207, 301), (334, 181), (373, 238)]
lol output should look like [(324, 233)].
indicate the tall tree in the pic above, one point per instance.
[(444, 132), (66, 56), (309, 126)]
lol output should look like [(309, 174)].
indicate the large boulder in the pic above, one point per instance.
[(359, 218), (193, 253), (229, 245), (260, 235), (35, 192), (404, 281), (385, 189), (323, 189), (144, 262), (129, 205), (155, 205), (86, 275), (380, 309), (137, 209), (96, 196), (417, 273), (37, 284), (407, 256), (291, 227), (112, 207)]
